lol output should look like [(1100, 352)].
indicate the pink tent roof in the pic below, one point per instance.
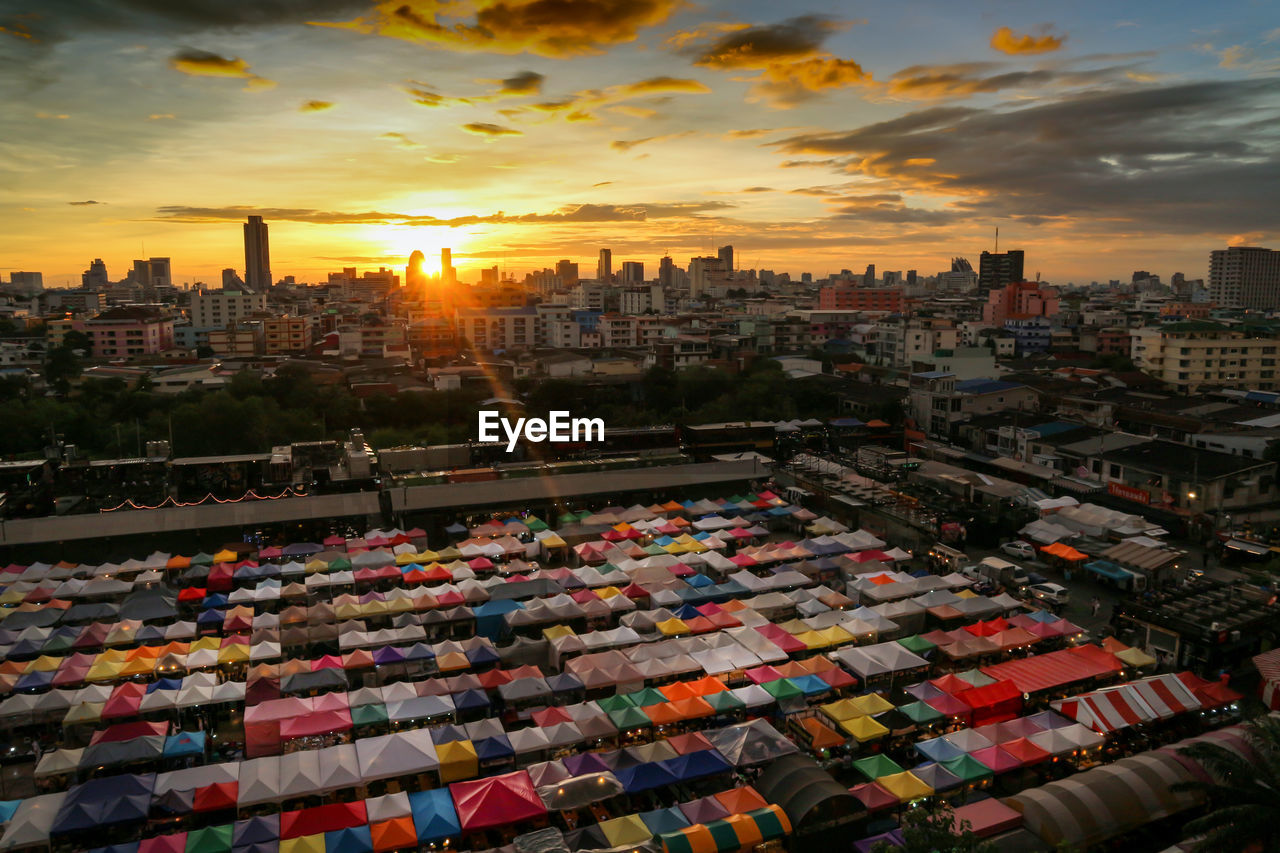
[(997, 759)]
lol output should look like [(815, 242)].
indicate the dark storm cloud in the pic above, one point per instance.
[(524, 83), (1199, 156), (567, 214), (764, 45)]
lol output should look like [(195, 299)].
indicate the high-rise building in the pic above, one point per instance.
[(219, 308), (911, 278), (632, 272), (567, 270), (161, 272), (29, 283), (999, 269), (666, 271), (231, 281), (604, 266), (869, 277), (415, 272), (95, 277), (257, 256), (725, 253), (448, 274), (704, 273), (1244, 277)]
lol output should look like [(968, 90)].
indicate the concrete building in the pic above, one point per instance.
[(632, 272), (567, 270), (604, 266), (1245, 277), (999, 269), (286, 334), (1024, 298), (493, 329), (129, 331), (27, 283), (213, 308), (848, 297), (1194, 353)]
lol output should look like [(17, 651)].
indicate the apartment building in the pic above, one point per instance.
[(1194, 353)]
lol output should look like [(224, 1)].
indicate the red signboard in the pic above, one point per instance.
[(1129, 493)]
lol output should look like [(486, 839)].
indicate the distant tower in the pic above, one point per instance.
[(95, 277), (257, 256), (448, 275), (567, 270), (415, 274), (604, 267), (725, 253), (666, 271)]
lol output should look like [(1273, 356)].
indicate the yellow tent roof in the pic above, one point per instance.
[(906, 786), (870, 703), (457, 760), (966, 593), (671, 627), (303, 844), (553, 541), (608, 592), (625, 831), (316, 566), (45, 663), (835, 635), (557, 631), (233, 653), (83, 712), (863, 729), (812, 639), (1136, 658), (226, 556)]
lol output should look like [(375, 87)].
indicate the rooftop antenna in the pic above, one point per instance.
[(997, 251)]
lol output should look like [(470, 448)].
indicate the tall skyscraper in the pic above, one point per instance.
[(448, 275), (604, 266), (869, 277), (95, 277), (415, 274), (567, 270), (725, 253), (257, 256), (999, 269), (1244, 277)]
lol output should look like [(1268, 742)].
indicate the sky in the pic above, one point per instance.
[(1100, 138)]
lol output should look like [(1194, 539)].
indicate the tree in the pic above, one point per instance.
[(1243, 794), (932, 828)]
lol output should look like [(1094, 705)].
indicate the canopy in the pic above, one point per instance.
[(496, 800)]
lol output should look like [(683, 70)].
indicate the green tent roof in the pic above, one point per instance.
[(210, 839), (917, 644), (783, 688), (920, 712), (874, 766), (967, 768), (368, 715), (629, 718)]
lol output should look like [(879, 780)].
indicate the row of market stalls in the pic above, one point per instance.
[(625, 674)]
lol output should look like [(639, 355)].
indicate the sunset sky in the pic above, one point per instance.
[(1099, 137)]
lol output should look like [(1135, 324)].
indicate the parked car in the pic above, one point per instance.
[(1020, 549), (1050, 593)]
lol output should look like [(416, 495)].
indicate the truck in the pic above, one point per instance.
[(998, 571), (944, 559)]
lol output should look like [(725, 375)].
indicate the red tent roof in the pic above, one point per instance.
[(1044, 672), (327, 818), (495, 801), (215, 797), (874, 797)]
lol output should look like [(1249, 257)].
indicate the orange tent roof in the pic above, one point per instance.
[(824, 737)]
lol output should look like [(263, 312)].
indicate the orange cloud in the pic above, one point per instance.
[(201, 63), (493, 131), (554, 28), (1006, 40)]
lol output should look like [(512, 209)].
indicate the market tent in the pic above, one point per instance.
[(496, 800), (750, 743), (806, 793), (32, 821), (434, 815), (1055, 669), (397, 754)]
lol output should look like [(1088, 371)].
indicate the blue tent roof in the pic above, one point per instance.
[(217, 599), (812, 685), (645, 777), (353, 839), (165, 684), (664, 820), (7, 808), (695, 765), (1108, 570), (699, 581), (939, 749), (469, 699), (105, 801), (434, 816), (256, 830), (184, 743), (493, 748)]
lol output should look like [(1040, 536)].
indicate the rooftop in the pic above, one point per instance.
[(1180, 460)]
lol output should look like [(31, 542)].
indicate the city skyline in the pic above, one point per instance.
[(1098, 143)]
